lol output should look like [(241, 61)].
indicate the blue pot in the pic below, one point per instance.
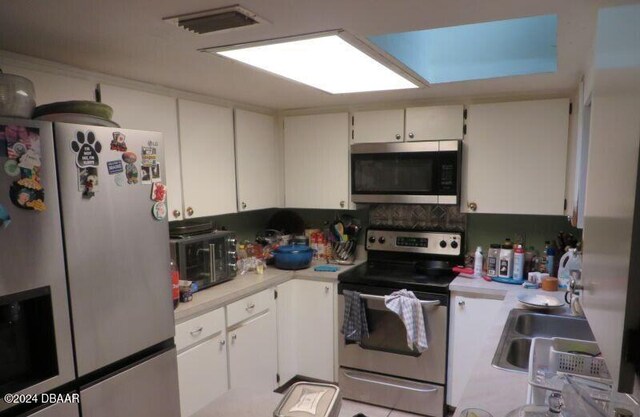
[(293, 257)]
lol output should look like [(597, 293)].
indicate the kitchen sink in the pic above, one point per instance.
[(512, 353)]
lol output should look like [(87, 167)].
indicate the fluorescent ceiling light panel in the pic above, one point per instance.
[(477, 51), (327, 62)]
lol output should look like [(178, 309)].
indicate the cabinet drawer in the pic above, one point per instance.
[(199, 328), (249, 306)]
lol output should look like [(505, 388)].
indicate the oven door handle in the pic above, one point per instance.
[(381, 298), (212, 261), (388, 384)]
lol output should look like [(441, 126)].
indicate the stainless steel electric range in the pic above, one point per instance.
[(382, 369)]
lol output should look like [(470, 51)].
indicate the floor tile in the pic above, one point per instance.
[(351, 408)]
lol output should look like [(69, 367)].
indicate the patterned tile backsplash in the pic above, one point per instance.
[(413, 216)]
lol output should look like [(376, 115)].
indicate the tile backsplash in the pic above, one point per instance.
[(414, 216)]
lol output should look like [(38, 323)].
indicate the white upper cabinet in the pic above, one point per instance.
[(378, 126), (515, 157), (434, 123), (208, 159), (145, 111), (257, 161), (53, 87), (316, 161)]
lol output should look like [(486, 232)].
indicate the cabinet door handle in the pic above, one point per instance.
[(222, 343), (197, 331), (342, 203), (176, 213), (461, 303), (250, 307), (189, 211), (473, 206), (326, 289), (233, 338), (411, 135), (244, 205), (398, 136)]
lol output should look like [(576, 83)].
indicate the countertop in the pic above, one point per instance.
[(250, 283), (494, 390)]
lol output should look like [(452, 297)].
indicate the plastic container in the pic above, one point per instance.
[(577, 357), (310, 399), (505, 269), (478, 262), (493, 257)]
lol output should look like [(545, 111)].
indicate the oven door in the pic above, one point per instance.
[(409, 173), (385, 351)]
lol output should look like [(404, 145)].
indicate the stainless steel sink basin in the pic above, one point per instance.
[(512, 353)]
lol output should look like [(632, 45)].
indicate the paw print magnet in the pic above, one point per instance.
[(87, 149)]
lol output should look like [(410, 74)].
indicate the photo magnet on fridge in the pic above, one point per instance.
[(156, 175), (159, 210), (88, 181), (149, 156), (146, 174), (118, 143), (27, 194)]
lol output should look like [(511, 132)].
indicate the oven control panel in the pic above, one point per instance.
[(432, 243)]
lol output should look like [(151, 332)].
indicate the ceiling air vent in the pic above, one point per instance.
[(216, 20)]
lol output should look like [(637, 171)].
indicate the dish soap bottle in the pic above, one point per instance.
[(477, 263), (493, 258)]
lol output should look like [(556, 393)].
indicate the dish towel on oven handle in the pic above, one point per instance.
[(407, 306), (354, 326)]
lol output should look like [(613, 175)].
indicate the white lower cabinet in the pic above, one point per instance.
[(307, 329), (202, 374), (471, 317), (253, 349)]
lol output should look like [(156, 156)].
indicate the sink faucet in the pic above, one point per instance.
[(572, 297)]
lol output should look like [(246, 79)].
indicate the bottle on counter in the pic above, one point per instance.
[(541, 261), (518, 263), (529, 257), (551, 258), (478, 262), (175, 283), (505, 269), (493, 257)]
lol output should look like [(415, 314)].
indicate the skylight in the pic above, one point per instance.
[(476, 51), (326, 62)]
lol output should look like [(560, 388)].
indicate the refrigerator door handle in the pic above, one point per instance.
[(212, 261)]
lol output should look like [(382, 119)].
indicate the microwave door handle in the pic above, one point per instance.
[(212, 261)]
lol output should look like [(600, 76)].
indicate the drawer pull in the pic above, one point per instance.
[(388, 384), (197, 331), (250, 307)]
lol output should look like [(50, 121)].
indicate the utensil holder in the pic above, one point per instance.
[(344, 253)]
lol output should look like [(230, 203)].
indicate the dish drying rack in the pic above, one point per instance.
[(553, 360)]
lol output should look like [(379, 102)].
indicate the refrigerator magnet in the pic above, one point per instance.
[(5, 219), (27, 194), (115, 167), (130, 169), (87, 150), (156, 176), (120, 179), (159, 210), (88, 181), (118, 143), (159, 192), (11, 168), (146, 174)]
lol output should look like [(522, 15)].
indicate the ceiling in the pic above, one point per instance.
[(128, 38)]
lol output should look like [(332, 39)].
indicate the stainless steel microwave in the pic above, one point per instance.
[(406, 173), (206, 259)]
